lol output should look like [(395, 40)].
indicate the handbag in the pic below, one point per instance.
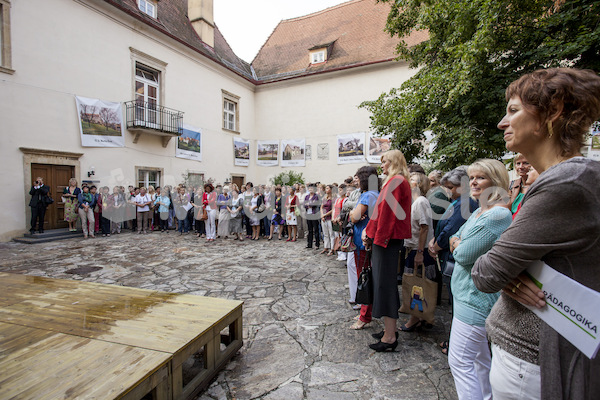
[(204, 216), (419, 295), (364, 288), (47, 199), (347, 244), (261, 208), (297, 211)]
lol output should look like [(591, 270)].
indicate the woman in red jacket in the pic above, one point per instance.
[(385, 234)]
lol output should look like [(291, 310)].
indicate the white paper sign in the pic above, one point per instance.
[(571, 308), (241, 152), (292, 153), (189, 144), (267, 153), (376, 147), (100, 122), (594, 149), (351, 148)]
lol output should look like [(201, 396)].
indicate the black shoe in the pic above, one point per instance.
[(379, 335), (42, 231), (381, 346), (31, 231), (405, 328), (309, 247)]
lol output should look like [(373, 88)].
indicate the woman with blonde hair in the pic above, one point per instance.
[(153, 220), (385, 233), (548, 116), (468, 355), (69, 197)]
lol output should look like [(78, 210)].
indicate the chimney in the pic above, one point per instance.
[(200, 13)]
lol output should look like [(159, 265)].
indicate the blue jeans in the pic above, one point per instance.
[(266, 222), (183, 225)]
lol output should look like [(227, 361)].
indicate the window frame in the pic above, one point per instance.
[(321, 54), (5, 40), (154, 5), (228, 97), (159, 176), (151, 63), (200, 175)]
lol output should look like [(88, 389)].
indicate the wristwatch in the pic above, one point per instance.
[(419, 251)]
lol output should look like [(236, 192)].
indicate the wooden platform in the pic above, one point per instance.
[(73, 339)]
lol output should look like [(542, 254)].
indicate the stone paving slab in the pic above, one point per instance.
[(297, 341)]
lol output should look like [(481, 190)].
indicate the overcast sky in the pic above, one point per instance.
[(246, 24)]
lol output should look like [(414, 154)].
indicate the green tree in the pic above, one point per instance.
[(475, 49), (288, 178)]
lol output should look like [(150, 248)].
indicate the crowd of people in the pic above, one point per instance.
[(469, 228)]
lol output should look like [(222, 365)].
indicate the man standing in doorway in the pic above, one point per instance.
[(38, 193)]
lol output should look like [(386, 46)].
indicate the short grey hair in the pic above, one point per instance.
[(455, 176)]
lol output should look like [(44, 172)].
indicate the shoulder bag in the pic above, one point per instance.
[(419, 295), (364, 289)]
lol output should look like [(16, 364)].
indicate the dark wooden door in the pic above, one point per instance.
[(238, 180), (56, 177)]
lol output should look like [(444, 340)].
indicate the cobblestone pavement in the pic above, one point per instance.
[(297, 341)]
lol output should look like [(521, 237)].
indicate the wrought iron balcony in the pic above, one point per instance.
[(151, 118)]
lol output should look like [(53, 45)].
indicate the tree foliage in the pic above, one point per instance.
[(475, 49), (288, 178)]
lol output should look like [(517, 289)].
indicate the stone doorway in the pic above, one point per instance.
[(239, 181), (56, 167), (56, 177)]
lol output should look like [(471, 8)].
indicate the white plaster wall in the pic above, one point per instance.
[(64, 48), (320, 108)]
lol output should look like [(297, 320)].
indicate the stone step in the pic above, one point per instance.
[(48, 236), (52, 233)]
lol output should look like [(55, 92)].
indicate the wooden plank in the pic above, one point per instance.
[(174, 324), (38, 364), (166, 322)]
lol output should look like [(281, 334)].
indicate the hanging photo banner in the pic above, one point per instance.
[(594, 150), (267, 153), (241, 152), (100, 122), (376, 147), (293, 153), (189, 144), (351, 148)]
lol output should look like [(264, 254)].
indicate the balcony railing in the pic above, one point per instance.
[(152, 117)]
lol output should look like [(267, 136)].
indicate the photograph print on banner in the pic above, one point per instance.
[(241, 152), (267, 153), (293, 153), (351, 148), (100, 122), (376, 147), (594, 149), (189, 144)]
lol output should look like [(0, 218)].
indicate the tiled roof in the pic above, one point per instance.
[(356, 27), (173, 21)]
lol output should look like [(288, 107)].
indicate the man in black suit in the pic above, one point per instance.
[(38, 205)]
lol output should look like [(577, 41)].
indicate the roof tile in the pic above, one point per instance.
[(356, 27)]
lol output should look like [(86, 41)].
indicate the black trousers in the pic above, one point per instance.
[(248, 226), (200, 227), (104, 225), (313, 232), (37, 215)]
